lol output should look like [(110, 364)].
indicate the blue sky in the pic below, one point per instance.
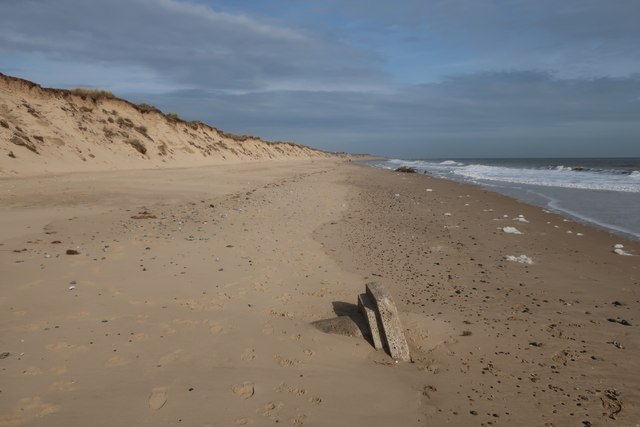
[(430, 78)]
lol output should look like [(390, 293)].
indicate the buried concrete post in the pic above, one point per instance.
[(367, 308), (389, 321)]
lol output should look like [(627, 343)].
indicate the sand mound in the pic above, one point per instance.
[(54, 130)]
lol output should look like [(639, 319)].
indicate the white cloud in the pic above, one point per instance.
[(188, 42)]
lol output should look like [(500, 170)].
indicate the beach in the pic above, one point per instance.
[(186, 296)]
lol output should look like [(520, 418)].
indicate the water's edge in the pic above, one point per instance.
[(591, 207)]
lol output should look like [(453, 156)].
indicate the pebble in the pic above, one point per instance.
[(4, 355)]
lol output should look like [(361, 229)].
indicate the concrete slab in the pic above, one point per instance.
[(387, 315), (341, 325), (367, 308)]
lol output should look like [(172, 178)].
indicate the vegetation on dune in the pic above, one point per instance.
[(235, 137), (94, 94), (146, 108), (173, 117), (137, 144)]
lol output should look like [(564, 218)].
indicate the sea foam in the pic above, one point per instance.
[(523, 259)]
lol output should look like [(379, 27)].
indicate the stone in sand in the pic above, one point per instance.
[(368, 310), (158, 398), (244, 390), (392, 333), (341, 325)]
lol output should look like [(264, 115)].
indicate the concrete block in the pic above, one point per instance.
[(368, 310), (387, 314), (341, 325)]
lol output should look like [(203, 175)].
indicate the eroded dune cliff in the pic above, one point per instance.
[(55, 131)]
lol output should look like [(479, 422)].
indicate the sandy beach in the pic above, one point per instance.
[(192, 293)]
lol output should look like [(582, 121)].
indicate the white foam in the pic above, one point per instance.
[(619, 249), (563, 178), (511, 230), (523, 259), (520, 218), (622, 252), (447, 214)]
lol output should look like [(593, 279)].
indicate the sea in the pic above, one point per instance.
[(604, 192)]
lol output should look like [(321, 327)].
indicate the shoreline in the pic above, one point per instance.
[(549, 203), (190, 302), (537, 333)]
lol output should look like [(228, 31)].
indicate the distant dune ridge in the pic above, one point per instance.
[(56, 130)]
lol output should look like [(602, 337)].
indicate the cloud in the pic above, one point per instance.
[(439, 78), (482, 115), (573, 38), (188, 42)]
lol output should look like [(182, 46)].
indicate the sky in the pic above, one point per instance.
[(409, 78)]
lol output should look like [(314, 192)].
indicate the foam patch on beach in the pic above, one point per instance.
[(522, 259), (521, 218), (619, 249), (510, 230)]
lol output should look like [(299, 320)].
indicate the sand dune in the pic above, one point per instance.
[(56, 131)]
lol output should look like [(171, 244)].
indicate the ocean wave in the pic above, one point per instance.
[(558, 177)]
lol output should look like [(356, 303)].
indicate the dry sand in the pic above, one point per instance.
[(192, 293), (44, 131)]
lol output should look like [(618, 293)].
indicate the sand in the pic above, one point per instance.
[(47, 131), (192, 293)]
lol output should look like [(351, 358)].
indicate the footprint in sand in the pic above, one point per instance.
[(267, 329), (58, 370), (216, 328), (27, 410), (271, 409), (64, 347), (116, 361), (63, 386), (169, 358), (286, 363), (158, 398), (248, 354), (315, 400), (32, 370), (244, 390), (282, 387), (299, 420)]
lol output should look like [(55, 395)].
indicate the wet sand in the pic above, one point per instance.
[(192, 293)]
